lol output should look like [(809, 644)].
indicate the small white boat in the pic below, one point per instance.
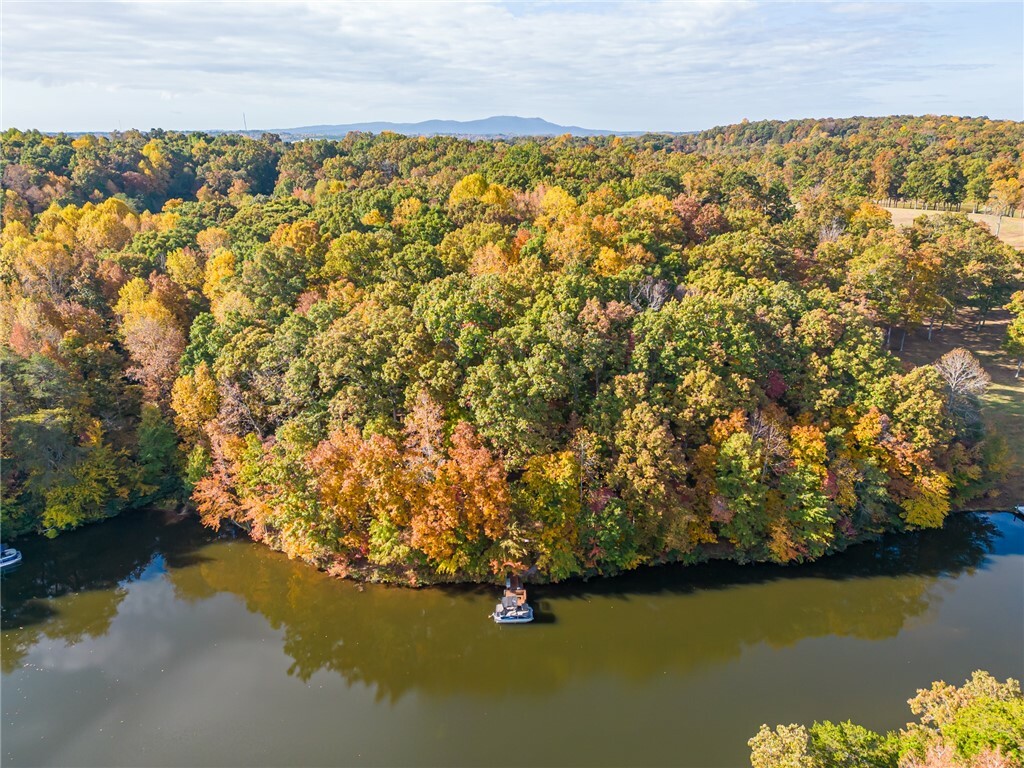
[(513, 608), (9, 558)]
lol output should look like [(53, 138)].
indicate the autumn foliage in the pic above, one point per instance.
[(427, 359)]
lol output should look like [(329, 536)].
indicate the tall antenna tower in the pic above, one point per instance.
[(245, 125)]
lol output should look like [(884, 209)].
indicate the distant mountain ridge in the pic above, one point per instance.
[(499, 125)]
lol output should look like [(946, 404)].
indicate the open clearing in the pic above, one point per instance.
[(1003, 403), (1011, 231)]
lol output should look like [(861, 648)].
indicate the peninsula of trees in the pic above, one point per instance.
[(422, 359)]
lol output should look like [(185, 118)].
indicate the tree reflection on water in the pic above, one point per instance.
[(438, 640)]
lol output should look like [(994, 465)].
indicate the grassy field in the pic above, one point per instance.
[(1003, 403), (1011, 231)]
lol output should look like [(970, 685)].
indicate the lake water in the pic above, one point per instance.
[(145, 642)]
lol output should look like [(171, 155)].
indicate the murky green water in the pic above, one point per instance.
[(142, 642)]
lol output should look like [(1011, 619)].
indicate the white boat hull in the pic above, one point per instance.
[(519, 617), (11, 559)]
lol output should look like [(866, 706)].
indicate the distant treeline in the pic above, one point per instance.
[(934, 160)]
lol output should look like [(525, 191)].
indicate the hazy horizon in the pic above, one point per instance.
[(657, 66), (286, 128)]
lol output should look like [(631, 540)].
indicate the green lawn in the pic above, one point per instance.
[(1003, 403)]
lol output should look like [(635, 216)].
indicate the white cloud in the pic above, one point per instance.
[(671, 65)]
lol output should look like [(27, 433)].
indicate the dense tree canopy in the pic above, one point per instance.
[(978, 725), (419, 359)]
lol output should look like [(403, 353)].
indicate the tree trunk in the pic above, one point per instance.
[(888, 336), (931, 325), (903, 339), (1020, 364)]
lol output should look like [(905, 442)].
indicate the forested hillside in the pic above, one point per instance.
[(935, 161), (421, 359)]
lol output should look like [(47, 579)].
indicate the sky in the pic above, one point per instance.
[(674, 66)]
